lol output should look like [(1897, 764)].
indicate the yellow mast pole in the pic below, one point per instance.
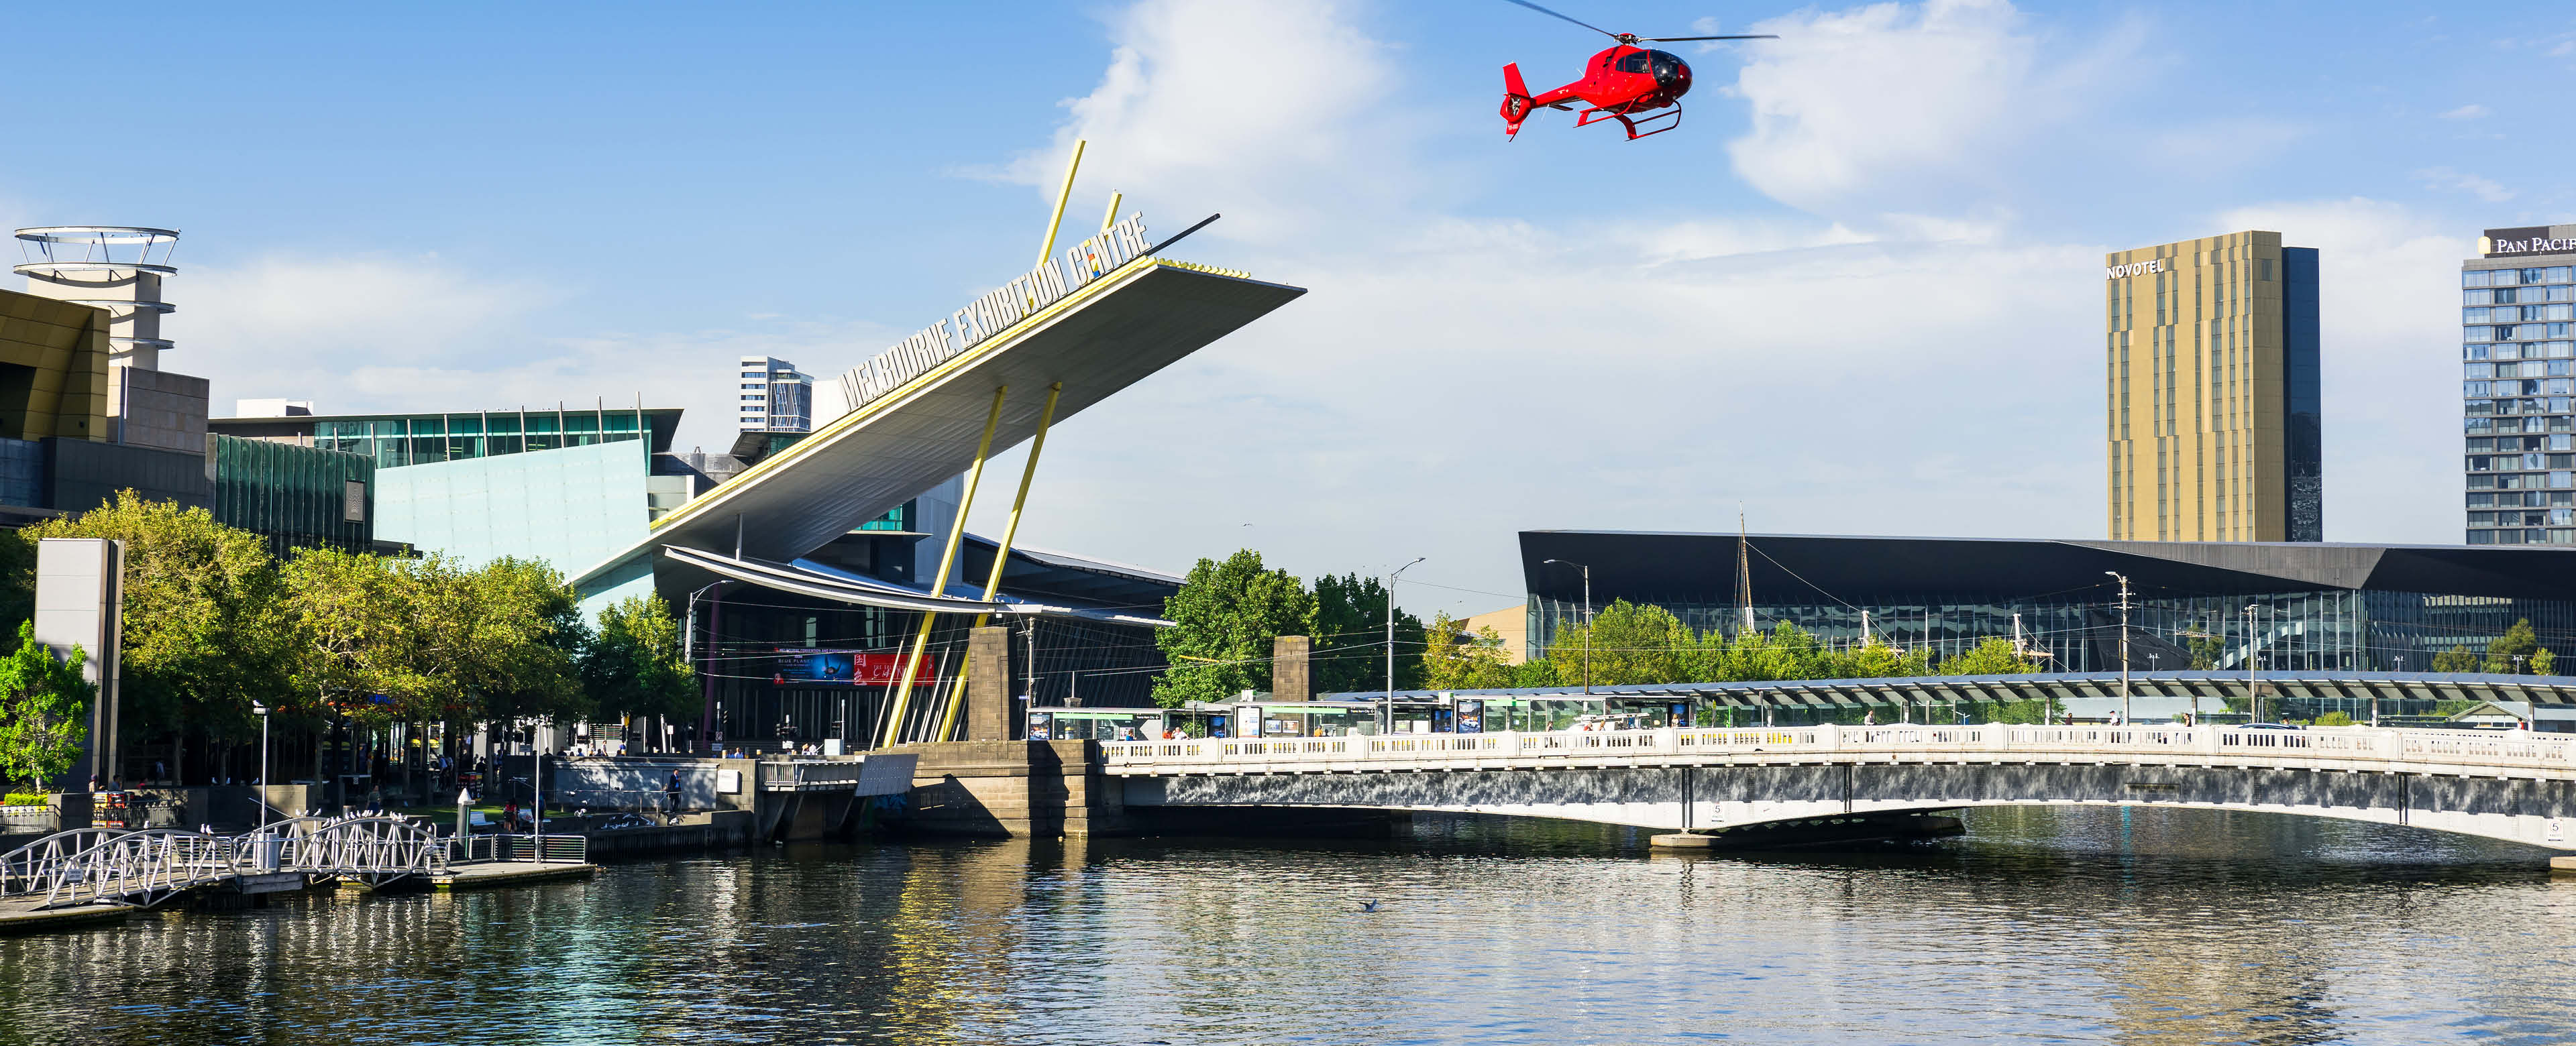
[(1061, 197), (947, 561), (1002, 554)]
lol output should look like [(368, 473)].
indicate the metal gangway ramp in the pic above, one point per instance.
[(144, 868)]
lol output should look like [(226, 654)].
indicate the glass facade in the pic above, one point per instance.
[(2519, 356), (2211, 400), (422, 439), (2356, 630), (297, 497), (773, 397), (22, 472)]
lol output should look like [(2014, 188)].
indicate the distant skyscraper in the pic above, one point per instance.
[(2211, 391), (2517, 305), (775, 398)]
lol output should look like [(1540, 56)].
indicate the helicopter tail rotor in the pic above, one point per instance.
[(1516, 101)]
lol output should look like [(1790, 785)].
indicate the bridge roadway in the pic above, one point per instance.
[(2515, 786)]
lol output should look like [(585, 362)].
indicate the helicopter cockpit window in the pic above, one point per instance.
[(1634, 62), (1667, 66)]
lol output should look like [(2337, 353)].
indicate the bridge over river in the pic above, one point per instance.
[(2513, 785)]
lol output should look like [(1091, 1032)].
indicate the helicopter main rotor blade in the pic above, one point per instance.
[(1545, 11), (1679, 39)]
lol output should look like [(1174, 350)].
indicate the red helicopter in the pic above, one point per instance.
[(1620, 83)]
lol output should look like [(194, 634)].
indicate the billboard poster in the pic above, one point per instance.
[(1041, 725), (815, 666)]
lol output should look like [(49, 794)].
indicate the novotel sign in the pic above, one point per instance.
[(2530, 239), (2138, 268), (993, 313)]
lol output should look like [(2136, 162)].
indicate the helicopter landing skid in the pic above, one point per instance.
[(1669, 120)]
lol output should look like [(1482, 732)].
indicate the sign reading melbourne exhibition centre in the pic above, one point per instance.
[(993, 313)]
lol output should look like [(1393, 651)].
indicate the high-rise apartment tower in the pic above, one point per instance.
[(2518, 301), (2211, 397), (774, 397)]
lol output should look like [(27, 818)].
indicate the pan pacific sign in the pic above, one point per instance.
[(2529, 239), (995, 312)]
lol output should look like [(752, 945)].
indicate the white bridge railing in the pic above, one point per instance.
[(2441, 750)]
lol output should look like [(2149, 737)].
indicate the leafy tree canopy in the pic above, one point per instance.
[(1350, 611), (44, 710), (1225, 616)]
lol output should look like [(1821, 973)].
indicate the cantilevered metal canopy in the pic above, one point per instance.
[(822, 582), (1098, 339)]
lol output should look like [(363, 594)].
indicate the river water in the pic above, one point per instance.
[(2077, 926)]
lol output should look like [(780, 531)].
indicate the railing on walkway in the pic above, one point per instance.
[(502, 846), (2428, 748)]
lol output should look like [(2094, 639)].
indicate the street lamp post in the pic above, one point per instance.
[(2253, 686), (1398, 572), (1587, 621), (261, 709), (2124, 645)]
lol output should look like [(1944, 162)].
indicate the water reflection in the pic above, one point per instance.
[(2143, 927)]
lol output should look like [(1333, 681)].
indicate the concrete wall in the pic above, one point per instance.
[(1039, 789), (79, 602), (699, 779), (157, 408)]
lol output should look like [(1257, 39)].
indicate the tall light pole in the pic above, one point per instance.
[(1390, 629), (261, 709), (1587, 622), (2124, 645), (2253, 686)]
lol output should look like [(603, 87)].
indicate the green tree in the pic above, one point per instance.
[(1785, 652), (1350, 611), (44, 710), (2456, 659), (1994, 656), (2204, 646), (203, 615), (1630, 643), (633, 666), (1224, 619), (2518, 641), (1875, 660), (2544, 663), (523, 656), (1453, 661)]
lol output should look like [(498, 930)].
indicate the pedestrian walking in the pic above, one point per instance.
[(671, 792)]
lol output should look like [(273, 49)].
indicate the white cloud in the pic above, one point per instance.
[(2470, 111), (2390, 362), (1909, 105), (2483, 188), (1251, 106)]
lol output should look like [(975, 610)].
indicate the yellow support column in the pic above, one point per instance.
[(947, 562), (1002, 554)]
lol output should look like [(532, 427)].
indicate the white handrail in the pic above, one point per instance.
[(2448, 749)]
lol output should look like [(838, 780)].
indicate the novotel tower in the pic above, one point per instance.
[(2211, 397), (2516, 305)]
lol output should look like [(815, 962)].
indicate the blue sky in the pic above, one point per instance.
[(1856, 292)]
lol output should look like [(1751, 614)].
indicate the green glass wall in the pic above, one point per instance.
[(296, 497), (429, 438)]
